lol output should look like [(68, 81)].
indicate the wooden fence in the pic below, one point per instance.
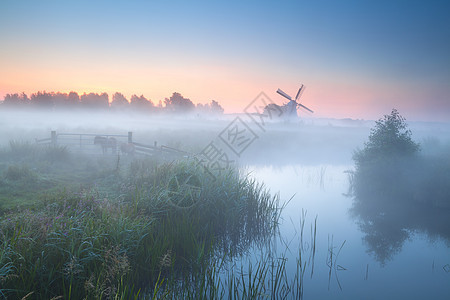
[(84, 142)]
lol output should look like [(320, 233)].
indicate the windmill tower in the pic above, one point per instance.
[(290, 108)]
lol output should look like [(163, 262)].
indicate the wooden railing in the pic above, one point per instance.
[(84, 142)]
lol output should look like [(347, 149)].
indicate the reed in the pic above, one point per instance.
[(136, 233), (332, 259)]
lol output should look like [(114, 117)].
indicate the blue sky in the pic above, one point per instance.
[(358, 59)]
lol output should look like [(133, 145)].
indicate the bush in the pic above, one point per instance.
[(398, 192), (389, 138)]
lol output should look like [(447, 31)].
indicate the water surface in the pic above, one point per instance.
[(417, 269)]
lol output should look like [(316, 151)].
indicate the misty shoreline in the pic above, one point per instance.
[(304, 141)]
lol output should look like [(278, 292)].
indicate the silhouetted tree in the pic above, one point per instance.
[(177, 103), (141, 103), (14, 100), (384, 185), (382, 161), (73, 99), (215, 107), (274, 111), (380, 166), (202, 108), (59, 99), (49, 100), (96, 101), (119, 101), (389, 138), (42, 100), (210, 108)]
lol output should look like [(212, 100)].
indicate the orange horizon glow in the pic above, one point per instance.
[(155, 49), (330, 102)]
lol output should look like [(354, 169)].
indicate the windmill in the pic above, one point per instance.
[(291, 107)]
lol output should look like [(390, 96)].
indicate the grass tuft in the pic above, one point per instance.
[(137, 229)]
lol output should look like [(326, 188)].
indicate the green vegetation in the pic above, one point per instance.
[(27, 171), (75, 227), (390, 138), (391, 167), (383, 162), (399, 190)]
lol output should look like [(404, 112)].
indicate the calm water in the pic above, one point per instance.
[(419, 266), (418, 269)]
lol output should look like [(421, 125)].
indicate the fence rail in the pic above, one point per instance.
[(116, 143)]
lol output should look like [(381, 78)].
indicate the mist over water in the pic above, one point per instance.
[(402, 245)]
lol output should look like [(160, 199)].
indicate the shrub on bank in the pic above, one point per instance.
[(397, 190)]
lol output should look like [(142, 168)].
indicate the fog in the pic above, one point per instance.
[(306, 140), (282, 153), (418, 202)]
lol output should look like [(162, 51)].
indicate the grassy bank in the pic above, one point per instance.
[(119, 228)]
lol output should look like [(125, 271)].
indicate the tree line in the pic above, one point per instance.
[(100, 101)]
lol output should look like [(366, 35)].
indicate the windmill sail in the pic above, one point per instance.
[(284, 94), (304, 107), (291, 106), (300, 92)]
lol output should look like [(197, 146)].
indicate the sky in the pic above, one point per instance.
[(357, 59)]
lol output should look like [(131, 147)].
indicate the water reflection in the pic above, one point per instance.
[(416, 273), (391, 204)]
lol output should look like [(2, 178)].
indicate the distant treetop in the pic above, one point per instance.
[(51, 100), (177, 103)]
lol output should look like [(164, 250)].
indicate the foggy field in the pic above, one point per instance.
[(224, 150), (311, 141), (77, 226), (162, 226), (306, 142)]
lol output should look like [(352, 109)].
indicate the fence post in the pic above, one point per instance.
[(53, 137), (130, 137)]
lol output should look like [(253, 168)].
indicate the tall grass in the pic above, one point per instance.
[(21, 148), (265, 278), (135, 231), (332, 258), (256, 276)]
